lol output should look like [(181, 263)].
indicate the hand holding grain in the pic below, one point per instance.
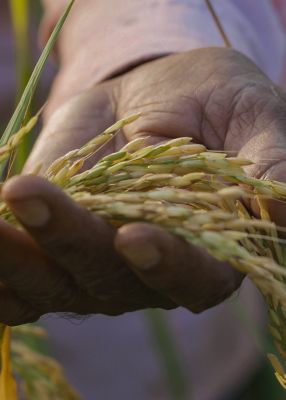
[(68, 260)]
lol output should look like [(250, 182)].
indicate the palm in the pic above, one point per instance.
[(218, 97), (214, 95)]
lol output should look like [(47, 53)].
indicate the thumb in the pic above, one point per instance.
[(70, 125), (77, 240), (185, 273)]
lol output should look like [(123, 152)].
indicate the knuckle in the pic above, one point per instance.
[(258, 106), (217, 294), (259, 100), (25, 319), (23, 315), (60, 296)]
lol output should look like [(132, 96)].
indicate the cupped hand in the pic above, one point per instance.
[(72, 261)]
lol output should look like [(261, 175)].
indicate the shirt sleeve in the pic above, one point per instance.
[(123, 33)]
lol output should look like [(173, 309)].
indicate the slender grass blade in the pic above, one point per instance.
[(23, 106)]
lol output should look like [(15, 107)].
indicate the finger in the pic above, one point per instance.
[(80, 242), (185, 273), (269, 164), (276, 209), (14, 311), (28, 272), (257, 132)]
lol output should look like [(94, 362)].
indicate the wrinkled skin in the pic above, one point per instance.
[(68, 260)]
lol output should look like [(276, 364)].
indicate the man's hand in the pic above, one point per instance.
[(74, 261)]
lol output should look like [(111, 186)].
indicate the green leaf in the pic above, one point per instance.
[(23, 106), (167, 349)]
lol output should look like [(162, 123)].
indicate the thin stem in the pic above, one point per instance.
[(166, 347), (218, 23)]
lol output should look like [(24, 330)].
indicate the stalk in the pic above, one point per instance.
[(12, 137), (218, 23), (168, 352)]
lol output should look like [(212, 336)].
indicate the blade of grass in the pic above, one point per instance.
[(218, 23), (165, 345), (23, 106), (7, 383)]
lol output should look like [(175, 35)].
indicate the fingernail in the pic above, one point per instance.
[(31, 212), (143, 256)]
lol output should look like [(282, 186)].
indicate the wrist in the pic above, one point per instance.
[(115, 37)]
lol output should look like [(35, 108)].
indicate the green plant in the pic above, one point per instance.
[(8, 387)]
